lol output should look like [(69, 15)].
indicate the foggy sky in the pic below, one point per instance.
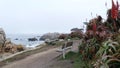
[(42, 16)]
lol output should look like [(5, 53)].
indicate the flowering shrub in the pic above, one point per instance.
[(63, 36), (75, 34), (101, 41)]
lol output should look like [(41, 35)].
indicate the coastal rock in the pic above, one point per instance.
[(2, 38), (16, 39), (32, 39), (8, 41), (50, 36)]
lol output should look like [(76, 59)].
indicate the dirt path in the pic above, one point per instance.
[(40, 60)]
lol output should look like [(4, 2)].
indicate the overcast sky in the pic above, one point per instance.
[(42, 16)]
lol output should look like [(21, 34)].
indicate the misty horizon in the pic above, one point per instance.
[(39, 17)]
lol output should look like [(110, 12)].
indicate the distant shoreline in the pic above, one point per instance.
[(23, 39)]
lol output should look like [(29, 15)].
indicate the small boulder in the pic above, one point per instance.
[(32, 39)]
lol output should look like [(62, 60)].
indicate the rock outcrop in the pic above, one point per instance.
[(32, 39), (6, 45), (50, 36), (2, 38)]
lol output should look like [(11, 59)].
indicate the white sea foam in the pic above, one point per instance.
[(23, 39)]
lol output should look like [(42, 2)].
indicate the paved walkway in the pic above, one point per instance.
[(39, 60)]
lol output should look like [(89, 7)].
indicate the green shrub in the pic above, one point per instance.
[(20, 48)]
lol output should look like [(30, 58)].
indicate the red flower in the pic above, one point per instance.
[(114, 10)]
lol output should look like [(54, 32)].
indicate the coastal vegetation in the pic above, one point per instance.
[(12, 48), (75, 34), (100, 47)]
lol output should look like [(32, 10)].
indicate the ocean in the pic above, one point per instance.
[(23, 39)]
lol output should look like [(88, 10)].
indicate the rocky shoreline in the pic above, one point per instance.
[(20, 55)]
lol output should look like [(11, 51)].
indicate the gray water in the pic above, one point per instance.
[(23, 39)]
